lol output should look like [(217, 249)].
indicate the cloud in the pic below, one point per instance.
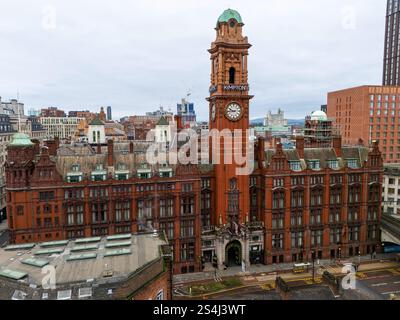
[(138, 55)]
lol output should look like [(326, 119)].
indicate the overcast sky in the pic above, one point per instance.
[(137, 55)]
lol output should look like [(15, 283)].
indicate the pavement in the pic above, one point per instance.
[(3, 233), (376, 280), (264, 270)]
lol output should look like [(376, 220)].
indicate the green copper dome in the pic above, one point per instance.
[(21, 140), (230, 14)]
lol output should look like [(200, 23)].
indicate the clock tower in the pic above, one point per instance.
[(229, 115)]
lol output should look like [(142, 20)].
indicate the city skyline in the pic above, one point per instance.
[(78, 55)]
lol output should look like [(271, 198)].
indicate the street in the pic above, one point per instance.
[(382, 282), (376, 280)]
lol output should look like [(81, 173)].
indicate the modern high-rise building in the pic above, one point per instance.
[(391, 59), (109, 113), (368, 113), (187, 112)]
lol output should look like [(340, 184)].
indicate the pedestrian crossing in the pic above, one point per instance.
[(217, 277)]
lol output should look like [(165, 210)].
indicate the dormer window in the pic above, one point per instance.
[(144, 173), (165, 172), (75, 175), (295, 165), (122, 173), (99, 174), (352, 163), (314, 164), (121, 176), (333, 164)]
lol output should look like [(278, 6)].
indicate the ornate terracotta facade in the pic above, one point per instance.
[(295, 202)]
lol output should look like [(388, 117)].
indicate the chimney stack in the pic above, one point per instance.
[(110, 153), (37, 145), (52, 145), (57, 142), (337, 145), (300, 146)]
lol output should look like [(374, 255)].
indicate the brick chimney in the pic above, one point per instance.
[(337, 145), (261, 151), (300, 146), (57, 142), (131, 147), (52, 145), (37, 146), (110, 153)]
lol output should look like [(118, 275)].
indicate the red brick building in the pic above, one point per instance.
[(52, 112), (368, 113), (295, 202)]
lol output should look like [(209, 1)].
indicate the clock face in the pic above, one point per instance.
[(213, 112), (233, 112)]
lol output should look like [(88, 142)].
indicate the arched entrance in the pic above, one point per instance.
[(233, 254)]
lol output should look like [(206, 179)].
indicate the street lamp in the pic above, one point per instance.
[(313, 264)]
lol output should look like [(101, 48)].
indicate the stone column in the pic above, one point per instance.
[(246, 252), (220, 251)]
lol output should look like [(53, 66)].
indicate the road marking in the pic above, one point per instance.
[(379, 284), (393, 292)]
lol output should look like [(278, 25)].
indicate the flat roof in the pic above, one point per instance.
[(91, 261)]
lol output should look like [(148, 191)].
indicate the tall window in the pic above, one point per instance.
[(277, 241), (168, 228), (297, 199), (187, 251), (278, 200), (99, 212), (166, 208), (316, 237), (187, 228), (205, 209), (335, 235), (187, 205), (297, 239), (232, 72), (122, 211), (316, 197)]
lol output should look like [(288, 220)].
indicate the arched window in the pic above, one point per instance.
[(232, 72)]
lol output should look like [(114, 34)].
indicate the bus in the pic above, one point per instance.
[(301, 267)]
